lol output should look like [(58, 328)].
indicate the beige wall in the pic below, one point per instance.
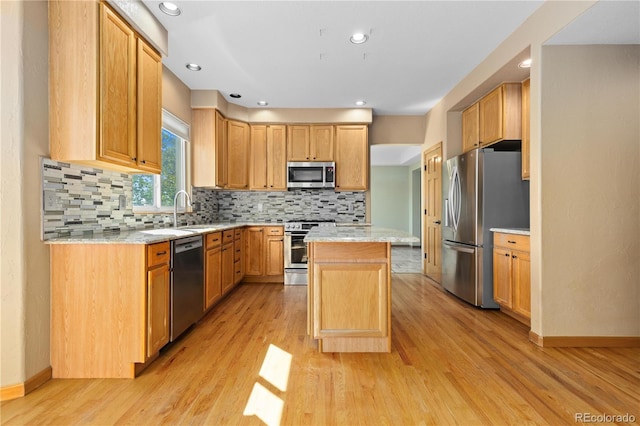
[(590, 156), (176, 96), (397, 129), (24, 259)]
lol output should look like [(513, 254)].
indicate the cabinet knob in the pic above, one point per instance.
[(506, 254), (144, 161), (134, 158), (514, 256)]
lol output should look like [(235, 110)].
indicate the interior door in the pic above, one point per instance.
[(432, 224)]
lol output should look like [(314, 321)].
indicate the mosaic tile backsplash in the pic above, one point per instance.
[(87, 200)]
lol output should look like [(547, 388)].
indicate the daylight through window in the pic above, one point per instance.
[(156, 192)]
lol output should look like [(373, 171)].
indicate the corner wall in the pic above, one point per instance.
[(591, 190)]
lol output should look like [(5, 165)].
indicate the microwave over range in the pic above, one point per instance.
[(314, 174)]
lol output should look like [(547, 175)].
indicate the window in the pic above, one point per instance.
[(153, 193)]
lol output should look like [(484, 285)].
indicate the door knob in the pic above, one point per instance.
[(437, 222)]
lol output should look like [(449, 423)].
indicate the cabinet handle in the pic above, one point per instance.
[(511, 242), (160, 253)]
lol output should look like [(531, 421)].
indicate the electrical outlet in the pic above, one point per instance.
[(50, 200), (122, 201)]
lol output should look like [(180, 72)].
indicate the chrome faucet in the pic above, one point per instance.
[(175, 205)]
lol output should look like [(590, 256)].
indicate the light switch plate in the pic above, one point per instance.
[(50, 201)]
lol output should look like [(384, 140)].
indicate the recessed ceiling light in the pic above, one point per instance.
[(525, 64), (361, 103), (263, 103), (169, 8), (235, 95), (358, 38), (193, 67)]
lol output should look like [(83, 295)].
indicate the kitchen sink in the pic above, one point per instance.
[(200, 228), (169, 231)]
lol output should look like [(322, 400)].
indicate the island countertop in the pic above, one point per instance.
[(515, 231), (358, 233)]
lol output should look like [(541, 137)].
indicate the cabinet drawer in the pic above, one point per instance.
[(274, 230), (511, 241), (157, 254), (228, 236), (237, 233), (213, 240), (238, 252)]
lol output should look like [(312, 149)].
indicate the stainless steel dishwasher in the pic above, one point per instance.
[(187, 284)]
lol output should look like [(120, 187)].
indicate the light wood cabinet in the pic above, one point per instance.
[(238, 258), (105, 90), (500, 114), (526, 127), (511, 275), (264, 254), (238, 142), (343, 276), (471, 128), (208, 148), (157, 297), (109, 308), (268, 157), (352, 158), (213, 269), (310, 142), (228, 261)]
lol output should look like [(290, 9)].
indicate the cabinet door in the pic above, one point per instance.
[(149, 109), (254, 252), (157, 309), (298, 143), (221, 150), (321, 143), (471, 128), (117, 139), (352, 158), (491, 116), (237, 155), (274, 256), (227, 267), (277, 157), (338, 287), (502, 277), (521, 264), (526, 119), (213, 276), (259, 157)]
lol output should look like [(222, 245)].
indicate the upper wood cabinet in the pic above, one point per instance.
[(352, 158), (105, 87), (310, 143), (500, 114), (208, 148), (471, 128), (238, 142), (268, 157), (526, 128)]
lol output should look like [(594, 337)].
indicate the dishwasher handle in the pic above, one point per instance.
[(186, 244)]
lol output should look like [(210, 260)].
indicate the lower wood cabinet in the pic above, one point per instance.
[(158, 281), (238, 258), (264, 254), (213, 269), (511, 275), (228, 257), (349, 296), (109, 308)]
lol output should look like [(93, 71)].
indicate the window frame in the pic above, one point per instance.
[(182, 130)]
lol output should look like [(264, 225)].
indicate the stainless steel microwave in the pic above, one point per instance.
[(313, 174)]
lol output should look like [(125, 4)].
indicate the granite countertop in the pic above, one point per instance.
[(156, 235), (516, 231), (355, 233)]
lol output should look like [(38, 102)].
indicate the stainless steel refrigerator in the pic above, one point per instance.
[(482, 189)]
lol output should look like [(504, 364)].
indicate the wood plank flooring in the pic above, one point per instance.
[(450, 364)]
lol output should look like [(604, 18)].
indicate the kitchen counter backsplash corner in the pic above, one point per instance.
[(87, 201)]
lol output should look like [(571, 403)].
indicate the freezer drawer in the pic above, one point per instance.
[(460, 271)]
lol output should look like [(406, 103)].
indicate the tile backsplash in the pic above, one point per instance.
[(85, 200)]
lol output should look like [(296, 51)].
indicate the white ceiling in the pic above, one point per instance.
[(297, 54)]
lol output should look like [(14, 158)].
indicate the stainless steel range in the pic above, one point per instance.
[(295, 249)]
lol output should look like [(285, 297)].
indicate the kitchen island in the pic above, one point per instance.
[(349, 290)]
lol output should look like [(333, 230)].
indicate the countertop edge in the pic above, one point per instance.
[(515, 231)]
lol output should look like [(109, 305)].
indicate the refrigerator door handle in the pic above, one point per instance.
[(460, 247), (447, 222)]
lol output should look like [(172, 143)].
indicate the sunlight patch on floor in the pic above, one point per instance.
[(262, 402)]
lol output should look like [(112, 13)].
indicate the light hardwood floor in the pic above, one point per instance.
[(450, 364)]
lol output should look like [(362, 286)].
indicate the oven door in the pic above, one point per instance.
[(295, 250)]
